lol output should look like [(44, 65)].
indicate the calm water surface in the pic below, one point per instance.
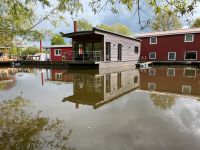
[(156, 108)]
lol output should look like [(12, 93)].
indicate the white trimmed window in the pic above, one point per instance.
[(171, 55), (152, 72), (58, 76), (57, 52), (152, 55), (186, 89), (171, 72), (190, 55), (151, 86), (153, 40), (189, 72), (189, 37)]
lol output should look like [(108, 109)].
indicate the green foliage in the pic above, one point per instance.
[(57, 40), (22, 130), (30, 51), (196, 23), (165, 21), (117, 28), (84, 25)]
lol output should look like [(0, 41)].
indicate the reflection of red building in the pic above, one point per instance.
[(59, 52), (173, 80), (177, 45), (60, 75)]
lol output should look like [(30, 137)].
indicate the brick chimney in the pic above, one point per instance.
[(75, 26)]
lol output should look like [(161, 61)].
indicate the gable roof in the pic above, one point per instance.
[(97, 31), (167, 33)]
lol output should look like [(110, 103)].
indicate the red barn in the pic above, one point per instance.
[(177, 45), (59, 52)]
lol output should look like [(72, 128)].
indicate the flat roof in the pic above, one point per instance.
[(57, 46), (94, 31), (166, 33)]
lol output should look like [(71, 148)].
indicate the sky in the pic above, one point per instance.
[(124, 16)]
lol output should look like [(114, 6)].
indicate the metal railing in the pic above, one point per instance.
[(90, 56)]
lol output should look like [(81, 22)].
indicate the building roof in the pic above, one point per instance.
[(57, 46), (96, 31), (166, 33)]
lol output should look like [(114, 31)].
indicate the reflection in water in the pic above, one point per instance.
[(22, 130), (170, 82), (99, 89), (7, 79), (162, 101)]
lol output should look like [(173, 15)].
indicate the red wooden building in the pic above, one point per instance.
[(177, 45), (59, 52)]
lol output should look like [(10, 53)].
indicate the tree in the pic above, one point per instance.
[(165, 22), (21, 129), (84, 25), (196, 23), (117, 28), (30, 51), (57, 39)]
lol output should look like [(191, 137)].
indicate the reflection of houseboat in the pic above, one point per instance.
[(99, 89), (102, 48), (7, 79), (184, 81)]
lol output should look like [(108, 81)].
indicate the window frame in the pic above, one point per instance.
[(152, 58), (190, 51), (184, 73), (57, 50), (185, 39), (149, 85), (150, 42), (174, 55), (137, 49), (174, 74), (58, 76), (187, 86)]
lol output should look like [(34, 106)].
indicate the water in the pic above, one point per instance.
[(156, 108)]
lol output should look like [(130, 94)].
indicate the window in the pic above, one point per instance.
[(136, 50), (108, 51), (171, 72), (151, 86), (136, 79), (119, 52), (152, 55), (186, 89), (58, 76), (152, 72), (119, 80), (190, 72), (171, 55), (57, 52), (191, 55), (153, 40), (108, 83), (189, 37)]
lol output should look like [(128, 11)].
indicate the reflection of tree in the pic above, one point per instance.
[(22, 130), (163, 101)]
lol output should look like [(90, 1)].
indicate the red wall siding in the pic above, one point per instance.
[(63, 50), (166, 44)]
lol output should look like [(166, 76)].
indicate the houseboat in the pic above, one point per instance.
[(102, 48), (58, 52), (171, 46)]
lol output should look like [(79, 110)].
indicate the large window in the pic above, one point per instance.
[(189, 37), (57, 52), (152, 55), (153, 40), (108, 51), (119, 52), (190, 72), (136, 50), (171, 55), (191, 55)]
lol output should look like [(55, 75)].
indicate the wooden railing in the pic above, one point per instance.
[(91, 56)]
